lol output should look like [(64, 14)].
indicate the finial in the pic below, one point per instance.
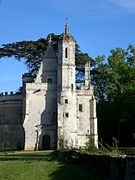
[(66, 27), (50, 38)]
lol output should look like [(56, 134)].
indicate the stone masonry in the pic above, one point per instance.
[(51, 110)]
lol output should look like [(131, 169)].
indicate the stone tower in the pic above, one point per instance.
[(55, 111), (66, 94), (41, 105)]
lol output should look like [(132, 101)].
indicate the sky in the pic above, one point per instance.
[(97, 25)]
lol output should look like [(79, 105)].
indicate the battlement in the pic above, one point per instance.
[(10, 93), (12, 96)]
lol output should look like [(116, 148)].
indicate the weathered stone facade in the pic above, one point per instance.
[(11, 121), (51, 109)]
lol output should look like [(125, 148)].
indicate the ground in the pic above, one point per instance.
[(40, 165)]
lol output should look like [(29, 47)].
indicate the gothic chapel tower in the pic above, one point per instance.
[(76, 109), (55, 111), (66, 94)]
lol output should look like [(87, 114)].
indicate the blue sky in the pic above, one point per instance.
[(98, 26)]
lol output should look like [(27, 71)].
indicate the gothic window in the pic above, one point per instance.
[(66, 52), (49, 80), (80, 108), (66, 101)]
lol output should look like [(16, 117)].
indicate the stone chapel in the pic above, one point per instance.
[(50, 110)]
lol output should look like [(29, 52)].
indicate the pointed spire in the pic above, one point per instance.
[(66, 34), (66, 27), (50, 39), (87, 74), (49, 53)]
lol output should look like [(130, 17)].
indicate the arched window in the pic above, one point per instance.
[(66, 52)]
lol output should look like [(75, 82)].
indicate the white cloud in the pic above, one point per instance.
[(127, 4)]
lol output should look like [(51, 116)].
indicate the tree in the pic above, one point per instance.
[(117, 100), (32, 53)]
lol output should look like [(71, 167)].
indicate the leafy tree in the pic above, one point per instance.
[(32, 53), (116, 107), (99, 77), (80, 60)]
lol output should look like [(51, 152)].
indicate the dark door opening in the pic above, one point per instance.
[(46, 142)]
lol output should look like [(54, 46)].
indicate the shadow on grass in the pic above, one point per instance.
[(73, 172), (28, 156)]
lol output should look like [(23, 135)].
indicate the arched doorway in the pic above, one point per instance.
[(46, 142)]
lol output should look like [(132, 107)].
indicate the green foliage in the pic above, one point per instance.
[(103, 149), (114, 79), (80, 60), (61, 143), (110, 150), (114, 75), (32, 52), (99, 77), (115, 145), (90, 144), (114, 149), (8, 146)]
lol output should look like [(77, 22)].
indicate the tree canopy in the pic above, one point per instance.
[(114, 79), (32, 52)]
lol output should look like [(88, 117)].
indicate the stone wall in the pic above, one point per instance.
[(120, 167), (11, 121)]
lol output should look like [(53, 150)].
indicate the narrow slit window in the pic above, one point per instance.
[(72, 86), (66, 52), (80, 107), (66, 101)]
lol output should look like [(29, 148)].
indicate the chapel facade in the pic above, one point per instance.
[(51, 111)]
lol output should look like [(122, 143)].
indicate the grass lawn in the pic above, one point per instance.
[(40, 165)]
